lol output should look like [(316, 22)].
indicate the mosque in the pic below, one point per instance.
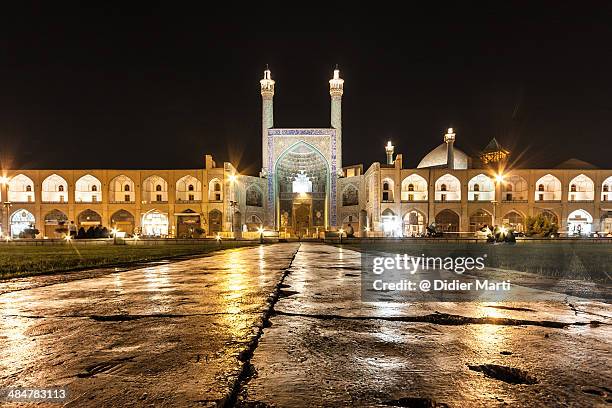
[(304, 189)]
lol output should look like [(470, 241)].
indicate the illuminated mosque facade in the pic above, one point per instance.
[(304, 190)]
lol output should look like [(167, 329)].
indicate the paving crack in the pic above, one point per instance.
[(447, 320), (122, 317), (246, 355)]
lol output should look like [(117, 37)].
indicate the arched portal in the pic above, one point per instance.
[(391, 224), (579, 222), (155, 224), (215, 219), (414, 223), (447, 221), (21, 222), (302, 185), (514, 221), (187, 224), (123, 220), (56, 224), (551, 216), (253, 222), (479, 219), (89, 218)]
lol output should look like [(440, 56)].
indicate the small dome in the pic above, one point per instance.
[(437, 158)]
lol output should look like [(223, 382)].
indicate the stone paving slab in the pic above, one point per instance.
[(326, 348), (167, 335)]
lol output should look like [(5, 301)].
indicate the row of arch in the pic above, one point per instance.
[(482, 188), (154, 223), (414, 222), (121, 189)]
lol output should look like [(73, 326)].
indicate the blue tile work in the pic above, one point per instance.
[(303, 133)]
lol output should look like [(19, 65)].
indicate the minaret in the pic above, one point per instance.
[(267, 113), (336, 89), (449, 138), (389, 149)]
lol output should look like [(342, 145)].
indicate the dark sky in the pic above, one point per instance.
[(160, 86)]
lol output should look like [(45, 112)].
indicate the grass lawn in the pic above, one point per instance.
[(25, 260), (571, 260)]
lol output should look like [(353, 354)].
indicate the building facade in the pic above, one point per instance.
[(303, 190)]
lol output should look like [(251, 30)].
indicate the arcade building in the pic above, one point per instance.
[(304, 189)]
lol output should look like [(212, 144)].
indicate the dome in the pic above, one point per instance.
[(437, 158)]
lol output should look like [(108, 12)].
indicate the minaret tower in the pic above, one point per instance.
[(449, 138), (389, 149), (336, 89), (267, 113)]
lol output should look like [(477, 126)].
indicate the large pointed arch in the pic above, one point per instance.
[(548, 188), (155, 189), (122, 189), (188, 188), (481, 188), (54, 189), (448, 188), (88, 189), (302, 170), (414, 188), (514, 188), (21, 189), (606, 189), (581, 188), (448, 221)]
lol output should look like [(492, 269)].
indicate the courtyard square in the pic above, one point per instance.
[(284, 325)]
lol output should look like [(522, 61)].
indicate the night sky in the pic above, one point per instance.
[(161, 86)]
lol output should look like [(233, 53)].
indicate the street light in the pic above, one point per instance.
[(498, 179), (114, 232), (261, 231)]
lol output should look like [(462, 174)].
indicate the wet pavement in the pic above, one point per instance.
[(166, 335), (283, 325), (326, 348)]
